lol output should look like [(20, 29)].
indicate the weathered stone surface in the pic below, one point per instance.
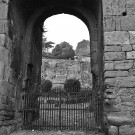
[(116, 73), (114, 56), (133, 46), (126, 92), (10, 75), (131, 72), (3, 26), (126, 98), (109, 23), (124, 82), (4, 87), (126, 64), (126, 48), (132, 37), (116, 7), (58, 71), (116, 37), (118, 23), (5, 55), (93, 47), (130, 55), (129, 104), (2, 66), (109, 66), (113, 48), (3, 11), (130, 6), (2, 39), (3, 131), (6, 42), (128, 22)]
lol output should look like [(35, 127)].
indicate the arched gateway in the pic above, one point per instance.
[(21, 24)]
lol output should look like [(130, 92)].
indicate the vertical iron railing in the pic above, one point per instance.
[(59, 110)]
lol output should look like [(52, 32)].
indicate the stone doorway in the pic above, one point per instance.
[(21, 34)]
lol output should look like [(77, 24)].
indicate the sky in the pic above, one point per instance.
[(64, 27)]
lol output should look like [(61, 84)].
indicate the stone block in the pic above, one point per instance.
[(132, 37), (126, 98), (113, 48), (123, 65), (3, 11), (130, 55), (3, 131), (114, 7), (8, 43), (128, 23), (109, 23), (116, 73), (5, 56), (123, 82), (3, 26), (118, 23), (2, 39), (109, 66), (130, 6), (116, 37), (93, 46), (133, 46), (94, 69), (130, 104), (4, 87), (131, 72), (10, 75), (2, 68), (126, 48), (114, 56), (126, 92)]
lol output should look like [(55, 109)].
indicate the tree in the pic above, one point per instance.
[(83, 48), (46, 45), (63, 51)]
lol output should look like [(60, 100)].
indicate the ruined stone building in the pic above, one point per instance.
[(111, 25)]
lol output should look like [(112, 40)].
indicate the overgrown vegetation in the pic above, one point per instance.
[(72, 85), (46, 85)]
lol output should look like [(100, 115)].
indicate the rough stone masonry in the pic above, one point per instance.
[(119, 49), (119, 52)]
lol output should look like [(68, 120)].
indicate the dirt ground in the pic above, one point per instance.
[(54, 133)]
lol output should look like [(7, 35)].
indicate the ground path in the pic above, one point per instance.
[(54, 133), (124, 130)]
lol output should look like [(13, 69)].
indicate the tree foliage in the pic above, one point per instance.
[(46, 45), (83, 47), (63, 51)]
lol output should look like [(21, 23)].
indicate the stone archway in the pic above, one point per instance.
[(22, 34)]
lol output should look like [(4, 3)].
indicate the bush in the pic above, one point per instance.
[(46, 85), (72, 85)]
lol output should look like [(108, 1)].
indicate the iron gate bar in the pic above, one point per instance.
[(59, 110)]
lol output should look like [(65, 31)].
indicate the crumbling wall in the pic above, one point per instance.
[(119, 52), (58, 71), (12, 28)]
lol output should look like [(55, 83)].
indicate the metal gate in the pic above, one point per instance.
[(59, 110)]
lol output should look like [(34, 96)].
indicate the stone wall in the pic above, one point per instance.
[(119, 51), (10, 64), (58, 71)]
